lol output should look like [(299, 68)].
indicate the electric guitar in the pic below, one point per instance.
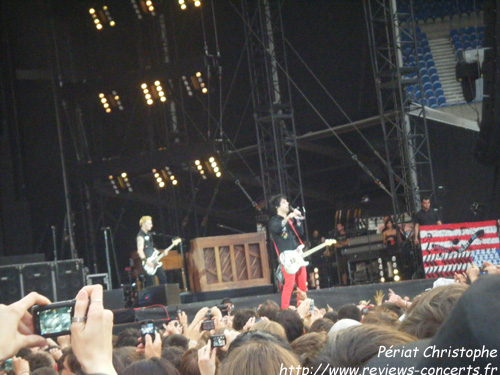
[(156, 256), (292, 260)]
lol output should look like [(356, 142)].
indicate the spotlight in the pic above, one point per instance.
[(382, 279), (397, 278), (111, 100), (197, 3)]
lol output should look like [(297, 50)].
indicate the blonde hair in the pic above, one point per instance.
[(144, 219), (271, 327)]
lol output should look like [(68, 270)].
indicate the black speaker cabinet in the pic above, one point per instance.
[(114, 299), (39, 277), (10, 281), (167, 295), (69, 278)]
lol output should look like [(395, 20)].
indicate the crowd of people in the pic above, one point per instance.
[(268, 340)]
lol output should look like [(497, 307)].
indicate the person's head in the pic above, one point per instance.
[(321, 325), (332, 315), (426, 203), (269, 309), (124, 356), (381, 316), (388, 225), (68, 364), (308, 346), (189, 363), (315, 233), (258, 358), (260, 336), (270, 326), (152, 366), (40, 359), (292, 322), (350, 311), (354, 346), (146, 223), (44, 371), (279, 204), (241, 317), (227, 301), (127, 337), (340, 227), (174, 355), (430, 309), (176, 340)]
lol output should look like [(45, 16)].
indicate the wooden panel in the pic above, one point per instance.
[(226, 262), (173, 261)]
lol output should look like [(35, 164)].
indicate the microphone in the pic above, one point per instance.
[(301, 217)]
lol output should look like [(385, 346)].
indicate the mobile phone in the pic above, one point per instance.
[(53, 320), (218, 341), (311, 307), (207, 325), (148, 328), (179, 311), (7, 365)]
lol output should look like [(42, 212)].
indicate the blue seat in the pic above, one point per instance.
[(431, 64), (428, 55), (455, 38), (427, 86), (439, 92), (458, 46), (434, 78), (427, 50), (425, 79), (432, 102), (436, 85), (418, 94), (441, 100), (453, 32), (429, 94), (424, 71), (471, 29), (432, 70), (421, 64)]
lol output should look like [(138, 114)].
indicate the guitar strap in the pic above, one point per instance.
[(294, 231), (296, 234)]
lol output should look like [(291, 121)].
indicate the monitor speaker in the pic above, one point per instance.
[(167, 295)]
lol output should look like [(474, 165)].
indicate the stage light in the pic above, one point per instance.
[(204, 90), (200, 167), (102, 17), (216, 169), (108, 110), (183, 6), (163, 99), (218, 174), (157, 83), (98, 26), (197, 162), (174, 182), (103, 100), (211, 159), (198, 74), (124, 175), (382, 279), (397, 278), (161, 184), (112, 23), (101, 95), (150, 102), (157, 175), (92, 11), (147, 96), (213, 164), (197, 3), (106, 105), (144, 86)]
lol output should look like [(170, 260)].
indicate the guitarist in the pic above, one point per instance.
[(145, 249), (284, 229)]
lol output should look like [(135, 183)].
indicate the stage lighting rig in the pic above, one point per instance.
[(153, 92), (143, 7), (163, 175), (101, 17), (184, 3), (110, 101), (120, 183)]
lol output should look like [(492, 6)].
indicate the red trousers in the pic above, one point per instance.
[(300, 278)]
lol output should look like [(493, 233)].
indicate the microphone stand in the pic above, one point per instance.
[(108, 264), (54, 241)]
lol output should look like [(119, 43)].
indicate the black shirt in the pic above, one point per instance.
[(284, 237), (148, 243), (429, 217)]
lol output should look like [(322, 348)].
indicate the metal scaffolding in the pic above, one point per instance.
[(272, 102), (393, 40)]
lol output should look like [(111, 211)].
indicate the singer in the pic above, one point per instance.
[(285, 229), (146, 249)]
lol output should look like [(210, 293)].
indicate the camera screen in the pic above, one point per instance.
[(148, 329), (55, 320), (218, 341)]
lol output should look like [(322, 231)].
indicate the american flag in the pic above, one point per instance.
[(451, 248)]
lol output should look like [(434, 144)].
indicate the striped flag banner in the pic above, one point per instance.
[(451, 248)]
